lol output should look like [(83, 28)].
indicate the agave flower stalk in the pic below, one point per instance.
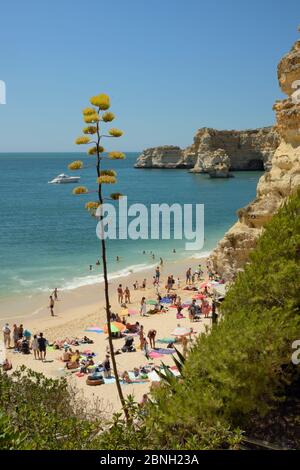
[(94, 116)]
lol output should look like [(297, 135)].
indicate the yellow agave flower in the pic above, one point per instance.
[(77, 165), (89, 111), (108, 117), (115, 132), (83, 139), (90, 130), (106, 180), (93, 150), (116, 155), (91, 205), (116, 196), (101, 101), (80, 190), (91, 118), (107, 177)]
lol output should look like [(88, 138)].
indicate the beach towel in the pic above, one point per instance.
[(166, 340), (111, 380), (154, 355), (166, 300), (94, 329), (165, 351), (154, 377)]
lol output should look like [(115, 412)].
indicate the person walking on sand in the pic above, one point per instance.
[(35, 347), (51, 305), (151, 336), (143, 307), (120, 294), (127, 295), (6, 335), (144, 283), (42, 342), (189, 276), (157, 274), (55, 292)]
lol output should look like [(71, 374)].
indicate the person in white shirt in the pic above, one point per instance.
[(6, 335)]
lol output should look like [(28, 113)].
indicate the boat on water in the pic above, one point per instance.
[(62, 179)]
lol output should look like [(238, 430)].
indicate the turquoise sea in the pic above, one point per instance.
[(48, 239)]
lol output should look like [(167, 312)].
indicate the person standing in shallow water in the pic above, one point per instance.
[(51, 305), (55, 292)]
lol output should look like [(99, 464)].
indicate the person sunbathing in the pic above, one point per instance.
[(67, 355), (126, 378), (74, 362)]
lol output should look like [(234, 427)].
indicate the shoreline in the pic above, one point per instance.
[(84, 307)]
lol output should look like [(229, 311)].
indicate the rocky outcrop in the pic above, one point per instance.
[(274, 186), (167, 156), (218, 164), (251, 149)]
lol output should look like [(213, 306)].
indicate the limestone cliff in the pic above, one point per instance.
[(167, 156), (275, 185), (250, 149)]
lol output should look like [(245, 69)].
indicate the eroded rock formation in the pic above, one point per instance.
[(218, 164), (274, 186), (251, 149), (167, 156)]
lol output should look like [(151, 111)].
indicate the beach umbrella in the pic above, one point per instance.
[(115, 327), (151, 302), (180, 331)]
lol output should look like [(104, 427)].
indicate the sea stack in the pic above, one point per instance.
[(275, 185)]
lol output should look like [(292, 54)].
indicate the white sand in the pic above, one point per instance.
[(84, 307)]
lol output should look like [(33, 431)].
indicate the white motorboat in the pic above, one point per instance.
[(62, 179)]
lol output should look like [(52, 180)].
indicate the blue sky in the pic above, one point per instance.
[(170, 67)]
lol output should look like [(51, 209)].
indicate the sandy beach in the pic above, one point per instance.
[(77, 310)]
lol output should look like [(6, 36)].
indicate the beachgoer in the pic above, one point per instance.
[(188, 276), (120, 294), (98, 262), (192, 311), (55, 294), (51, 305), (144, 400), (91, 267), (15, 335), (42, 346), (157, 273), (144, 283), (6, 335), (146, 348), (142, 337), (178, 283), (106, 367), (184, 343), (117, 258), (127, 295), (20, 331), (143, 307), (35, 347), (151, 335), (161, 261)]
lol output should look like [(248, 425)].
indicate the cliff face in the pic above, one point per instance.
[(275, 185), (167, 156), (247, 150), (251, 149)]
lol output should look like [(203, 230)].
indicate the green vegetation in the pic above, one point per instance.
[(233, 380)]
